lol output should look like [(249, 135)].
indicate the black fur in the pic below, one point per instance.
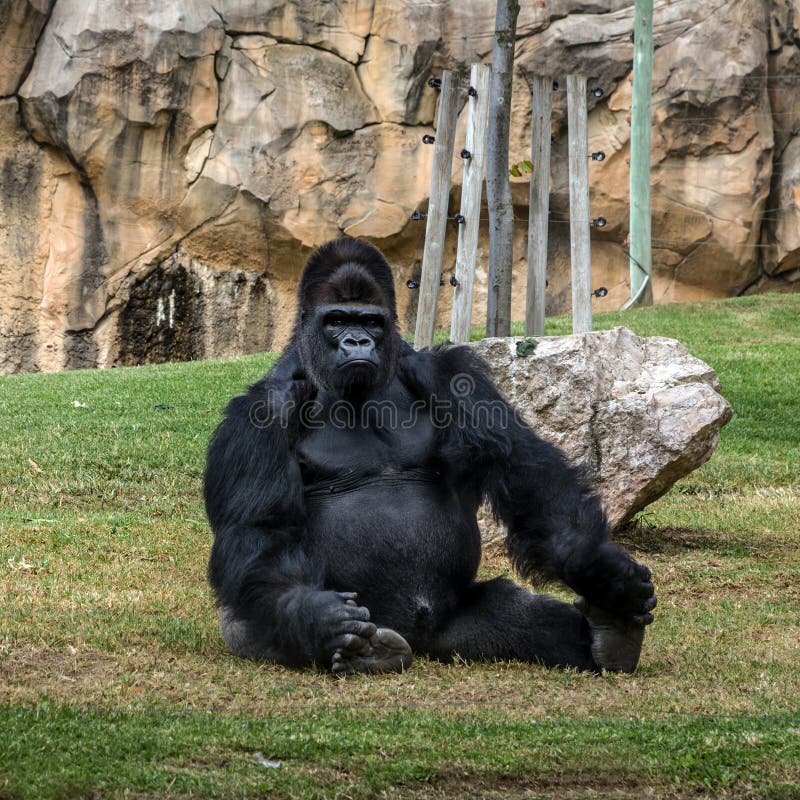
[(330, 258), (311, 507)]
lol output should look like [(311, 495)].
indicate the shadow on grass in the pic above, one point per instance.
[(670, 541), (563, 785)]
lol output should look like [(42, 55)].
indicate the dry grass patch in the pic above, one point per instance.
[(693, 660)]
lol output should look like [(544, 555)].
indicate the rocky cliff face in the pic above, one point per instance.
[(166, 167)]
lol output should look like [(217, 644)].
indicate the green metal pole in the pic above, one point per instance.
[(641, 261)]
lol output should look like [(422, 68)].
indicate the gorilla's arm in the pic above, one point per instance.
[(557, 527), (556, 524), (254, 500)]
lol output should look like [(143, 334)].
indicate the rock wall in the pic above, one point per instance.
[(166, 167)]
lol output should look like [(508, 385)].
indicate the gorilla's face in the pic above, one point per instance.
[(347, 336), (354, 357), (349, 349)]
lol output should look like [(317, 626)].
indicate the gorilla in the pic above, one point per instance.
[(343, 489)]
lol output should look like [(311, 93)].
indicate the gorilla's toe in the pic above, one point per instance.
[(616, 643), (388, 652)]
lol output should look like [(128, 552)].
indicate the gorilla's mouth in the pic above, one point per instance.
[(358, 362)]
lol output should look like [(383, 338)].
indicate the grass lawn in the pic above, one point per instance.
[(114, 682)]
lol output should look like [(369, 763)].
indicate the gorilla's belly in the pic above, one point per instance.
[(406, 545)]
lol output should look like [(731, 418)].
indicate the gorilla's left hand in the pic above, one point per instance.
[(613, 581)]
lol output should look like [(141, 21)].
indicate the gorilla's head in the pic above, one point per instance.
[(346, 328)]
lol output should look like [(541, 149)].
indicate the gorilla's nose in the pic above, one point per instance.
[(354, 340), (357, 347)]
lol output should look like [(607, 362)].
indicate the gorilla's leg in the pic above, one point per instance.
[(242, 639), (500, 620)]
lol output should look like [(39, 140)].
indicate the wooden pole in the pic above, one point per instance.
[(498, 186), (580, 251), (437, 211), (475, 144), (641, 261), (539, 205)]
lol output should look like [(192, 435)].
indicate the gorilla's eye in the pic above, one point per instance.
[(335, 319), (373, 321)]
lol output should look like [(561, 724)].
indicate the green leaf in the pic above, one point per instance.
[(526, 347)]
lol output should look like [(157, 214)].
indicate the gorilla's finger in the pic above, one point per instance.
[(358, 612), (350, 643), (643, 619), (338, 663), (344, 643), (644, 573), (350, 603), (341, 668), (348, 595), (363, 629), (646, 589), (640, 605)]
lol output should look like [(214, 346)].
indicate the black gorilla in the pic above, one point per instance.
[(353, 471)]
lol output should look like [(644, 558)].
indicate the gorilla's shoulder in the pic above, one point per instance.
[(276, 396), (458, 375), (433, 370)]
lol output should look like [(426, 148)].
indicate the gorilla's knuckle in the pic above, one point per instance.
[(360, 612)]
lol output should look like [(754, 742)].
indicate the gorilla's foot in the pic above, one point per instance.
[(388, 651), (616, 644)]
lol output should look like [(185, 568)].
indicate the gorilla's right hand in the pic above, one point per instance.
[(337, 624), (611, 579)]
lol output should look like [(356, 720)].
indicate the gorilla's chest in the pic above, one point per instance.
[(382, 516), (390, 435)]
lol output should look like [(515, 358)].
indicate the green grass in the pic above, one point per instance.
[(354, 753), (114, 682)]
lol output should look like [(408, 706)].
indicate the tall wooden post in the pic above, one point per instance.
[(475, 145), (580, 250), (437, 211), (641, 261), (539, 205), (498, 188)]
